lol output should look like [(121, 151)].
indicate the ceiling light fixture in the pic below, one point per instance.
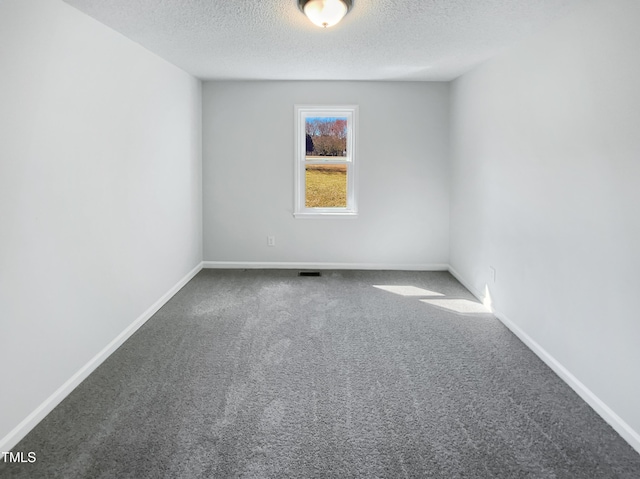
[(325, 13)]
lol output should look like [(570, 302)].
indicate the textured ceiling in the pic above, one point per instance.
[(377, 40)]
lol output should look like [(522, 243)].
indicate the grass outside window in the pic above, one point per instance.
[(326, 186)]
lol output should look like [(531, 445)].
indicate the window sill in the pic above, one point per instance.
[(325, 215)]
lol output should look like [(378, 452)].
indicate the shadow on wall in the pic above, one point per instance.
[(433, 298)]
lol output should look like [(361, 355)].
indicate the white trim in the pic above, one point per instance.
[(329, 266), (461, 280), (301, 113), (604, 411), (22, 429), (326, 215)]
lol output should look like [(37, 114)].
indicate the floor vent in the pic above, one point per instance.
[(309, 273)]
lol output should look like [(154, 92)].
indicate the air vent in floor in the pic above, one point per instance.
[(309, 273)]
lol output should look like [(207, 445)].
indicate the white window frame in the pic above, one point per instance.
[(302, 112)]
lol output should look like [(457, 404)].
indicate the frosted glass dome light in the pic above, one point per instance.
[(325, 13)]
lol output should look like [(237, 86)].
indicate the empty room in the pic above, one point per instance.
[(319, 238)]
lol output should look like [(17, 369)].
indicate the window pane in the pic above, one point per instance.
[(325, 136), (325, 186)]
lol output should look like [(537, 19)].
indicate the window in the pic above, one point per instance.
[(325, 161)]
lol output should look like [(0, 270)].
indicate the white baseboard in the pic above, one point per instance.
[(604, 411), (615, 421), (302, 265), (464, 283), (22, 429)]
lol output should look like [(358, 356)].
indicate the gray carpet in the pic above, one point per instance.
[(265, 374)]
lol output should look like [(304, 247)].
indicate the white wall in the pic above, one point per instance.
[(100, 193), (546, 189), (248, 138)]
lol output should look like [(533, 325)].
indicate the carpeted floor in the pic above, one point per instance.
[(266, 374)]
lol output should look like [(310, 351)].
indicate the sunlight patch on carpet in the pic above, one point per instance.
[(407, 290), (458, 305)]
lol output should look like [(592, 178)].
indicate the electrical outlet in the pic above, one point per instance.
[(492, 274), (271, 240)]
